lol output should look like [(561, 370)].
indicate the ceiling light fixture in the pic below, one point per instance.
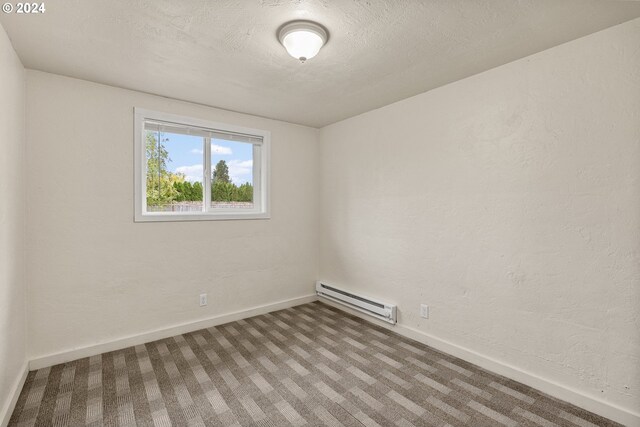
[(302, 39)]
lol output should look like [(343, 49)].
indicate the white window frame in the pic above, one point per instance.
[(261, 157)]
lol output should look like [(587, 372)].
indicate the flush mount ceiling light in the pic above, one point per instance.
[(302, 39)]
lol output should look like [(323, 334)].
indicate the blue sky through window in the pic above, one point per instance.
[(186, 157)]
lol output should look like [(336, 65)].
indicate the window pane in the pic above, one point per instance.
[(190, 169), (232, 174), (174, 172)]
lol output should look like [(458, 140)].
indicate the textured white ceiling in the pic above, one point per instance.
[(225, 53)]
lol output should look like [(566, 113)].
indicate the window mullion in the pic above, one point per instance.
[(207, 174)]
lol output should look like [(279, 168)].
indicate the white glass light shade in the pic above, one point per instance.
[(303, 39)]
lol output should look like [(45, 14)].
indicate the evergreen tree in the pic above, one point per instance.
[(245, 193), (222, 191), (196, 192), (221, 172), (180, 188)]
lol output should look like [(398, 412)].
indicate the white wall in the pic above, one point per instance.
[(96, 276), (509, 202), (12, 225)]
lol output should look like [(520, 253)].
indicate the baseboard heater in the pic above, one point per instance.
[(377, 309)]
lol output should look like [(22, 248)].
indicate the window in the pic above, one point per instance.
[(189, 169)]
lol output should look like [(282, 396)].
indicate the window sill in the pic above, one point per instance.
[(198, 216)]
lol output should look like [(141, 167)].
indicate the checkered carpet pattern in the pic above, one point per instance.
[(308, 365)]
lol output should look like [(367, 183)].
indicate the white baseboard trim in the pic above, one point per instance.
[(559, 391), (7, 410), (145, 337)]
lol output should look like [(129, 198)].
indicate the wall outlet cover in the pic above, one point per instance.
[(424, 311)]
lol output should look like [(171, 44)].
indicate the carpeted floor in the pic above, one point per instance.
[(308, 365)]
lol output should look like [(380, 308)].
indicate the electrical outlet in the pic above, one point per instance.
[(203, 299), (424, 311)]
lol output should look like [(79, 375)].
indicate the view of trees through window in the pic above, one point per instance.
[(175, 174)]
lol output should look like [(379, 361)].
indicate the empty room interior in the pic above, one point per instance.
[(323, 213)]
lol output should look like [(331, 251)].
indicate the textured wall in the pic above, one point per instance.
[(509, 202), (12, 226), (96, 275)]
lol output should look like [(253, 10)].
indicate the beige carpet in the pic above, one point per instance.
[(308, 365)]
